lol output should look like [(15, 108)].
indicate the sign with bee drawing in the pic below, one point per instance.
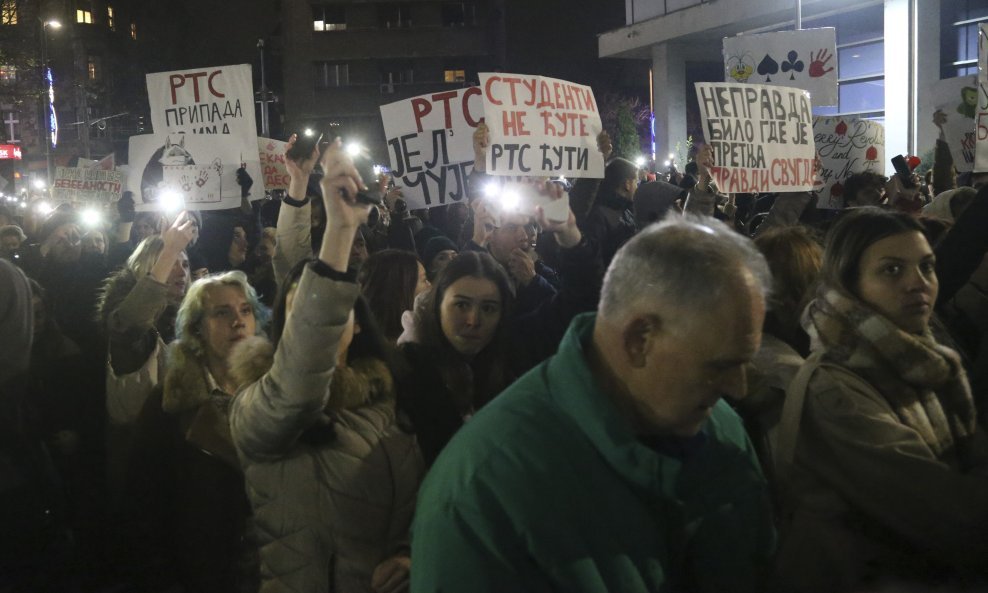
[(805, 59), (169, 166)]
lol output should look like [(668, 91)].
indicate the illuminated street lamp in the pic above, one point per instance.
[(48, 88)]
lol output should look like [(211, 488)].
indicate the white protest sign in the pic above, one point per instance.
[(957, 100), (272, 154), (180, 163), (541, 126), (981, 118), (762, 136), (804, 59), (846, 146), (216, 106), (86, 185), (430, 144)]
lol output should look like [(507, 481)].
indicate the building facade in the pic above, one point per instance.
[(343, 59), (889, 53), (95, 97)]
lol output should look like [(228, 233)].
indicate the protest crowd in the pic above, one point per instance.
[(646, 382)]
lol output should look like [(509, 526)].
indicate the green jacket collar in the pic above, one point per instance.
[(574, 390)]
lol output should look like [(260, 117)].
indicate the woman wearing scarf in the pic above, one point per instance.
[(882, 466)]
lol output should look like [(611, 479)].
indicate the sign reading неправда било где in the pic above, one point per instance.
[(762, 136)]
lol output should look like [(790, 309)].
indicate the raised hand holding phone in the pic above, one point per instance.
[(340, 184)]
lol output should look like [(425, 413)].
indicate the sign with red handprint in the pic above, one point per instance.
[(804, 59), (845, 146)]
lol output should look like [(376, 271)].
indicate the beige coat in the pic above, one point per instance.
[(329, 504), (866, 497)]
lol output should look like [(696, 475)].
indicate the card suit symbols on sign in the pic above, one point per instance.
[(837, 190), (913, 161), (792, 65), (820, 60), (841, 128), (767, 67), (871, 154)]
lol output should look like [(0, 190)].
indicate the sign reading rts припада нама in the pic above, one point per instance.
[(543, 127), (762, 136), (215, 107), (430, 144)]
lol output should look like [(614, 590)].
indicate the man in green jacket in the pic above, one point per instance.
[(614, 466)]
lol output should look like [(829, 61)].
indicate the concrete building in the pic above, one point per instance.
[(97, 83), (343, 59), (890, 52)]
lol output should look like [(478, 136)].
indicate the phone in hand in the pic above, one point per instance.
[(304, 144), (903, 171), (368, 173)]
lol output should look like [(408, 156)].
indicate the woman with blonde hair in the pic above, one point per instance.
[(187, 474)]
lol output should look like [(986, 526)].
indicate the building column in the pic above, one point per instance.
[(900, 73), (669, 92), (928, 72)]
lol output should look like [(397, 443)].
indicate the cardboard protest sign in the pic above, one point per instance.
[(804, 59), (845, 145), (86, 185), (180, 163), (981, 116), (430, 144), (272, 154), (762, 136), (541, 126), (957, 100), (216, 107)]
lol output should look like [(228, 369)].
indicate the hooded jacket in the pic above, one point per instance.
[(331, 478)]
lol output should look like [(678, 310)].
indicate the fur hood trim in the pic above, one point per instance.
[(186, 387), (361, 382), (114, 291)]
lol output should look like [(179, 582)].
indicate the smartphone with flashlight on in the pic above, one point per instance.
[(515, 197), (369, 173)]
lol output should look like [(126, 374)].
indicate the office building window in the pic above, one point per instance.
[(332, 74), (84, 16), (959, 20), (452, 76), (8, 73), (11, 126), (397, 72), (391, 16), (860, 62), (92, 67), (459, 14), (133, 31), (109, 19), (8, 12), (328, 18)]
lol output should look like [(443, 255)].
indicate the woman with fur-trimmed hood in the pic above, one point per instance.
[(186, 474), (137, 311), (331, 477)]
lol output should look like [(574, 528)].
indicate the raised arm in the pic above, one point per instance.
[(270, 414), (293, 234), (129, 325)]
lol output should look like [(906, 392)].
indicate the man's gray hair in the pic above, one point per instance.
[(684, 261)]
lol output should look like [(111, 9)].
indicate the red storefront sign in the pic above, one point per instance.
[(10, 151)]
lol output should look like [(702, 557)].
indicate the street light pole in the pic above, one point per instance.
[(46, 103), (264, 93)]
